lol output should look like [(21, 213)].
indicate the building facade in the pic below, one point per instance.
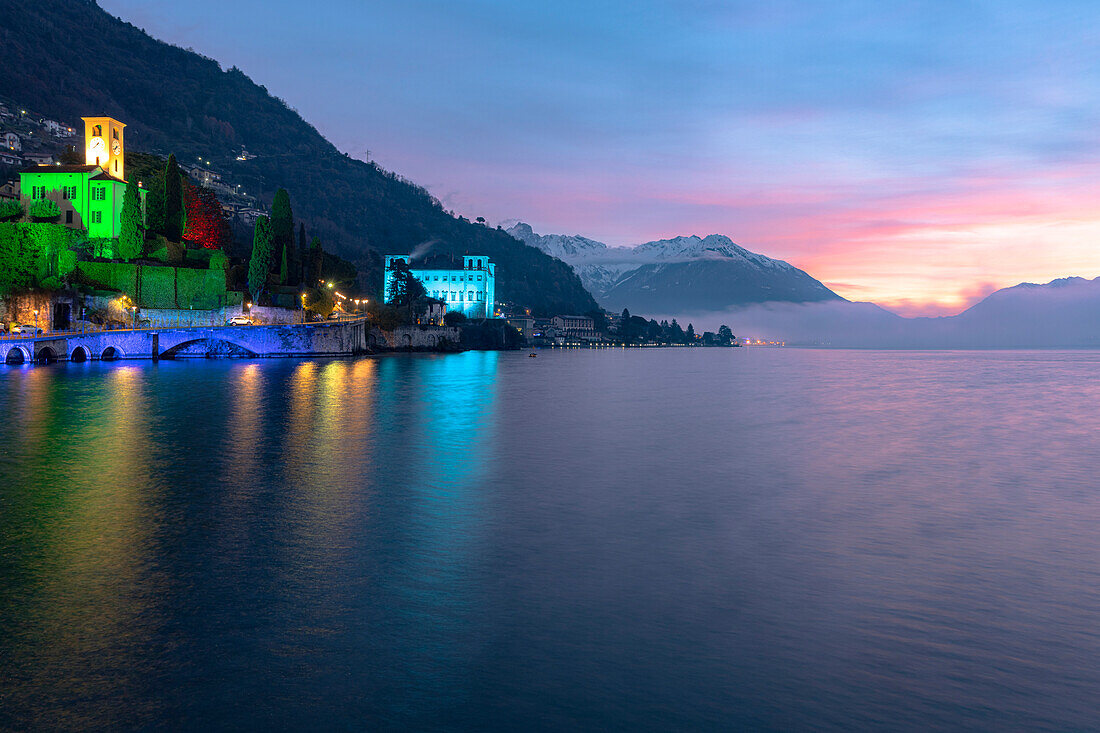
[(90, 195), (470, 291), (581, 327)]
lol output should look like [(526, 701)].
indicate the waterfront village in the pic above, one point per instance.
[(99, 259)]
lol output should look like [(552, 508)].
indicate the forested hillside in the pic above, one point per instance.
[(69, 58)]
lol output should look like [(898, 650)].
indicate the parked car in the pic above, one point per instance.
[(336, 316), (26, 329), (241, 320)]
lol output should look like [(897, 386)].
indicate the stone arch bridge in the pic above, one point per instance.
[(337, 338)]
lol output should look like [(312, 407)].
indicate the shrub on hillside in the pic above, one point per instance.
[(218, 261), (44, 210), (10, 210)]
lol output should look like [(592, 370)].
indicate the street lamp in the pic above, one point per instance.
[(35, 321)]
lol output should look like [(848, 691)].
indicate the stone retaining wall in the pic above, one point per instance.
[(416, 338)]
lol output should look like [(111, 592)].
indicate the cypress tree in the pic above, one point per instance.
[(154, 205), (263, 252), (130, 238), (173, 200), (282, 231), (301, 252), (316, 260)]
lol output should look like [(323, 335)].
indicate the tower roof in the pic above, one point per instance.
[(104, 117)]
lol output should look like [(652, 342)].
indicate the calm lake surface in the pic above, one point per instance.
[(631, 540)]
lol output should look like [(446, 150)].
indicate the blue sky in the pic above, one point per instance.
[(917, 154)]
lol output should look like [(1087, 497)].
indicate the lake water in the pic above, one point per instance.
[(632, 540)]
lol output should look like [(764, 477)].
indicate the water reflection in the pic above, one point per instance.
[(76, 523), (665, 540), (450, 444), (246, 426)]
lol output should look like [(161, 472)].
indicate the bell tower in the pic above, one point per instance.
[(103, 145)]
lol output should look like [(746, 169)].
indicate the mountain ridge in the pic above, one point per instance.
[(685, 272)]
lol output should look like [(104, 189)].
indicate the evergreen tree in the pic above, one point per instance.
[(316, 261), (301, 253), (173, 200), (154, 205), (689, 337), (282, 231), (405, 289), (675, 333), (263, 252), (131, 238), (624, 326)]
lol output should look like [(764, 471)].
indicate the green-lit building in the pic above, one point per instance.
[(89, 195)]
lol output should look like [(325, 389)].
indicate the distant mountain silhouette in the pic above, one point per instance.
[(1063, 313), (69, 58), (680, 274)]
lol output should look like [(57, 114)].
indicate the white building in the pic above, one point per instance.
[(57, 129), (470, 291), (11, 142), (39, 158)]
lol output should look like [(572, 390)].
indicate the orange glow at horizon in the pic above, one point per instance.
[(933, 252)]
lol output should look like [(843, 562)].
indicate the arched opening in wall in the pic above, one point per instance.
[(111, 353), (207, 348), (46, 355), (15, 356), (79, 354)]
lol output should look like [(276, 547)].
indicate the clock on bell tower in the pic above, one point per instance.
[(103, 145)]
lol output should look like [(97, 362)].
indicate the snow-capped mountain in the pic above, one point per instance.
[(684, 273)]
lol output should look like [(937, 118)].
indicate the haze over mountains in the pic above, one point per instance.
[(680, 274), (1063, 313)]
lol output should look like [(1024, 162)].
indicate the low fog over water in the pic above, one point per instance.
[(1063, 313)]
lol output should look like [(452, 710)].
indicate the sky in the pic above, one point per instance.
[(916, 154)]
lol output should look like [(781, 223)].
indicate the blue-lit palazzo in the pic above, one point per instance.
[(470, 290)]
